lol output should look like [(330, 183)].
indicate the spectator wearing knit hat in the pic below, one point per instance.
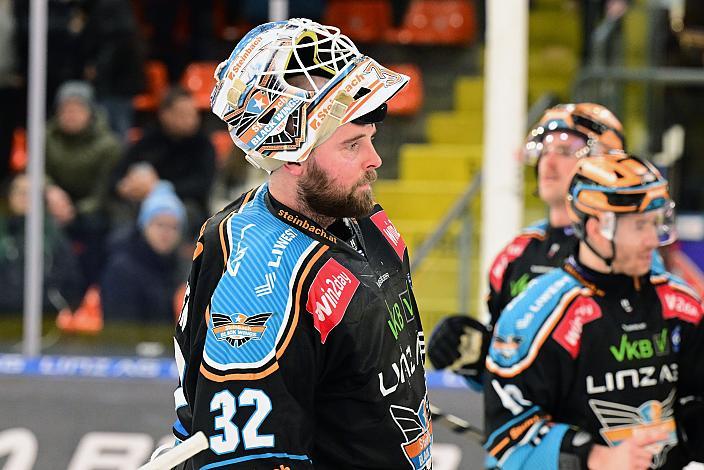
[(81, 153), (142, 273)]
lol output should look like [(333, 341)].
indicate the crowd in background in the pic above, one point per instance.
[(114, 175), (122, 207)]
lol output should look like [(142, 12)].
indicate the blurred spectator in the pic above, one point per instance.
[(178, 151), (81, 153), (114, 59), (142, 273), (398, 11), (66, 23), (12, 83), (256, 11), (62, 277), (182, 32), (593, 13)]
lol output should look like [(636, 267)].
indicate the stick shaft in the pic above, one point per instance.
[(179, 453)]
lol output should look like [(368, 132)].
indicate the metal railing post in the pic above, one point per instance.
[(465, 255)]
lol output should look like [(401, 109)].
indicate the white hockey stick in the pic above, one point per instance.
[(179, 453)]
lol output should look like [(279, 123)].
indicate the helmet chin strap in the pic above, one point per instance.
[(608, 260)]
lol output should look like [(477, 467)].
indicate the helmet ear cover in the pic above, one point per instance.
[(607, 225)]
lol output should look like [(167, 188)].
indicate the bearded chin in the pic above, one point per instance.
[(322, 196)]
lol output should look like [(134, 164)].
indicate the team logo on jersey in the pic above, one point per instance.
[(417, 429), (619, 422), (382, 222), (329, 296), (238, 329), (507, 347)]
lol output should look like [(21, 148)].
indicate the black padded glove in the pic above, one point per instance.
[(459, 343)]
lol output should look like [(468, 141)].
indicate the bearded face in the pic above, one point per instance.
[(327, 197)]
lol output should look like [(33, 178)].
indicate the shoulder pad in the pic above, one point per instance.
[(387, 228), (528, 320), (678, 299), (658, 265), (537, 229), (252, 310), (509, 254)]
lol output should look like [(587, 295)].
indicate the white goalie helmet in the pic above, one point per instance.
[(274, 121)]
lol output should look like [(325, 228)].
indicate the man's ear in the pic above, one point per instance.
[(593, 229), (293, 168)]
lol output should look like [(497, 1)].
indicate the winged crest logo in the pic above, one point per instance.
[(238, 329), (619, 422), (417, 429)]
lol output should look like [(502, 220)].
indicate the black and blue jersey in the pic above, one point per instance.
[(582, 357), (301, 346)]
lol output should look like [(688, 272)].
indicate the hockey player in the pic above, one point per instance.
[(563, 135), (590, 366), (300, 344)]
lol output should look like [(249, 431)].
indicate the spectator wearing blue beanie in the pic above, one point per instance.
[(142, 274)]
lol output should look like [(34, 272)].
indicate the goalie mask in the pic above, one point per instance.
[(288, 85)]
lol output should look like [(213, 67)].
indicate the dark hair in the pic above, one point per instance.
[(172, 95)]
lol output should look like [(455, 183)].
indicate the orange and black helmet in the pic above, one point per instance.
[(600, 129), (617, 184)]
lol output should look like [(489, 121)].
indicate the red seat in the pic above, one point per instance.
[(223, 144), (18, 154), (199, 81), (409, 100), (157, 83), (437, 22), (361, 20), (134, 135)]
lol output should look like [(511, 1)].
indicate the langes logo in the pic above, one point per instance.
[(382, 222), (238, 329), (330, 295)]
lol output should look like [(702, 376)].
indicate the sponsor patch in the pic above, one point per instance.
[(569, 331), (510, 253), (330, 295), (382, 222), (677, 304)]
